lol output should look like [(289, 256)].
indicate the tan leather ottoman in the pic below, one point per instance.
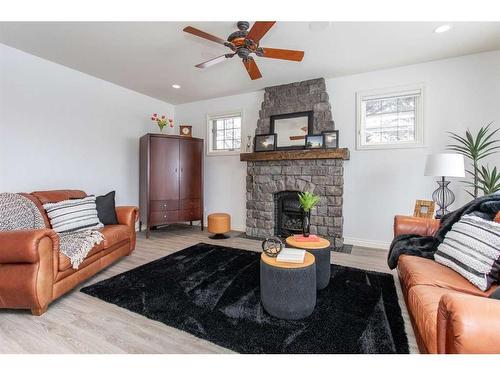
[(219, 224)]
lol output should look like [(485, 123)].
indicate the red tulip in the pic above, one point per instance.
[(154, 115), (152, 118), (163, 117)]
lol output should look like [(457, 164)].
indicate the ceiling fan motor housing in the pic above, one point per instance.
[(243, 25)]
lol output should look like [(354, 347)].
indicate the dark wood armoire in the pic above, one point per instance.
[(171, 180)]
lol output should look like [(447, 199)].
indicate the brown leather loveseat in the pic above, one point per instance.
[(448, 313), (33, 272)]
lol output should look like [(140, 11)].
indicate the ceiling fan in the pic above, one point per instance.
[(244, 43)]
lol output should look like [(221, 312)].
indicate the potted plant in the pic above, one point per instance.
[(476, 147), (307, 201), (162, 122)]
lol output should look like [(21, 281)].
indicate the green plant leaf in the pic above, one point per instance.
[(308, 200)]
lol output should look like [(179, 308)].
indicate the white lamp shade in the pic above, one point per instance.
[(446, 165)]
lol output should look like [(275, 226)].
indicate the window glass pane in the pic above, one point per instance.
[(389, 120), (226, 133)]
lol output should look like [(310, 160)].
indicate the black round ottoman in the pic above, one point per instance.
[(323, 267), (321, 251), (288, 290)]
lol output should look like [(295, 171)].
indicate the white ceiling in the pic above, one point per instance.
[(149, 57)]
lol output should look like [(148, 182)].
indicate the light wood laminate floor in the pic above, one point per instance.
[(78, 323)]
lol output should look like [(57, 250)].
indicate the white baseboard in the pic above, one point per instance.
[(367, 243)]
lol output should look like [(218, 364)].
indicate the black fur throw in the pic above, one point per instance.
[(425, 246)]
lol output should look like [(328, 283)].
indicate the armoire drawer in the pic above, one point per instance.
[(189, 204), (168, 205), (190, 215), (163, 217)]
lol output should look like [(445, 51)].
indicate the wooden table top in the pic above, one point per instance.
[(323, 243), (308, 260)]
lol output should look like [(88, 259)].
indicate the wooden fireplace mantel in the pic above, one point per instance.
[(332, 153)]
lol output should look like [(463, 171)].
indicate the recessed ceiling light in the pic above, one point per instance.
[(442, 29), (176, 86)]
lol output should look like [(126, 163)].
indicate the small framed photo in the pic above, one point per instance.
[(265, 142), (314, 141), (424, 208), (331, 139)]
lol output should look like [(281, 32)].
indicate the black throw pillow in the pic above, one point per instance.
[(106, 208), (495, 294)]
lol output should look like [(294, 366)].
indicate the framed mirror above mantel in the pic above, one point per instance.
[(291, 129)]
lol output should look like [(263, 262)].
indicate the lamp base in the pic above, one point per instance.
[(443, 197)]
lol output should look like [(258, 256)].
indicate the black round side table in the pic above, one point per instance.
[(321, 251), (288, 290)]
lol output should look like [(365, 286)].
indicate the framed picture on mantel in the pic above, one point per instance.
[(331, 139), (291, 129), (265, 142)]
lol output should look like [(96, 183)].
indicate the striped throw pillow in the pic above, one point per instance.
[(472, 248), (73, 215)]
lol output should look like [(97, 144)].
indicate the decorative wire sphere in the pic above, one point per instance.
[(272, 246)]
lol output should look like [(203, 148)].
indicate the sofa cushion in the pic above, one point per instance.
[(114, 234), (414, 271), (65, 262), (472, 248), (423, 303), (106, 210), (53, 196), (73, 215)]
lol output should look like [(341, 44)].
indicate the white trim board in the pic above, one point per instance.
[(367, 243)]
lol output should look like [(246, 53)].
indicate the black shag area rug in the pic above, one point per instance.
[(212, 292)]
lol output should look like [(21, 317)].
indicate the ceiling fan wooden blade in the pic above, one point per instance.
[(204, 35), (283, 54), (252, 69), (259, 29), (211, 62)]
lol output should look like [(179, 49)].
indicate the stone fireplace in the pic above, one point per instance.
[(275, 177), (265, 179)]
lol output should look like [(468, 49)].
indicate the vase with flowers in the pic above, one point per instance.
[(162, 121), (307, 201)]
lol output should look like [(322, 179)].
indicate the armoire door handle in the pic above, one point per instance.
[(175, 170)]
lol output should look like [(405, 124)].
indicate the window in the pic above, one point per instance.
[(390, 118), (224, 134)]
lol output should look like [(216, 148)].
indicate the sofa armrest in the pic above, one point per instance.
[(21, 246), (127, 215), (28, 264), (468, 324), (415, 225)]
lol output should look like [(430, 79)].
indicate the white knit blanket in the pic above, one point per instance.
[(19, 213)]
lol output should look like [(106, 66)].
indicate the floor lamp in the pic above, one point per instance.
[(444, 165)]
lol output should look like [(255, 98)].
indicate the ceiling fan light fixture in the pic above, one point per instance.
[(244, 44), (442, 29), (176, 86)]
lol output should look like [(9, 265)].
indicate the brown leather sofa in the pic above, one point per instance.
[(448, 313), (33, 272)]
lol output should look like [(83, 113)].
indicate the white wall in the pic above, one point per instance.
[(459, 93), (62, 129)]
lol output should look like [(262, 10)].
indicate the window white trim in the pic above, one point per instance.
[(415, 89), (212, 116)]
